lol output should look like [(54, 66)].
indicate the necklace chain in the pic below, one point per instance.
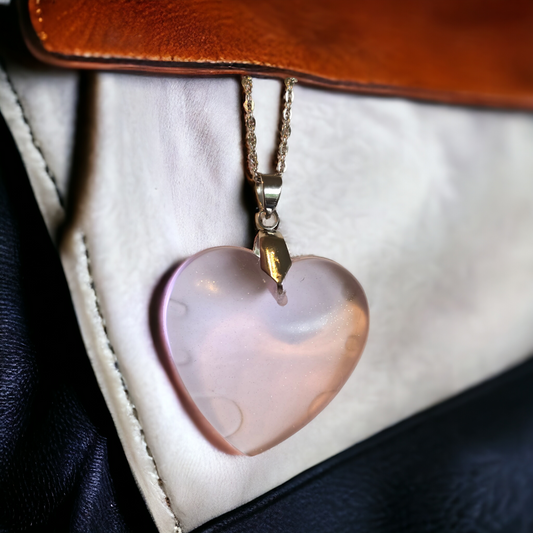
[(269, 244), (249, 123)]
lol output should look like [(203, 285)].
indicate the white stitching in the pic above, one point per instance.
[(34, 141), (177, 526)]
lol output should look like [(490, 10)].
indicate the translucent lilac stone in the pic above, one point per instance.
[(248, 367)]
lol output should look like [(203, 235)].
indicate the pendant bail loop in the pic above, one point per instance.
[(267, 191), (269, 243)]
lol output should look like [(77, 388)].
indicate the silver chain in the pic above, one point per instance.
[(249, 124)]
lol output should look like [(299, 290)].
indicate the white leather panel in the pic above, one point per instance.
[(49, 98), (39, 105), (430, 206)]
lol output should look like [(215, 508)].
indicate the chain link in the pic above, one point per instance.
[(249, 124), (285, 129)]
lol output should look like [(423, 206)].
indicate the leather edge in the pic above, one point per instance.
[(36, 47)]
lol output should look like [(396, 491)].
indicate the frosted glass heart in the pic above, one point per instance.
[(252, 372)]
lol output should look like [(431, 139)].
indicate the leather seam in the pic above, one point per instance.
[(134, 412), (33, 139), (177, 526), (39, 14)]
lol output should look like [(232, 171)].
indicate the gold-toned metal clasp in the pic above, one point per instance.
[(273, 254), (269, 243)]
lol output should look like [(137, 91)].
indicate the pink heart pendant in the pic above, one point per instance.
[(252, 372)]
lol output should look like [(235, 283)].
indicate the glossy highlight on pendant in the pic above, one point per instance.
[(254, 372)]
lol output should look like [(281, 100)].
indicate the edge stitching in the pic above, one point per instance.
[(177, 525), (34, 140)]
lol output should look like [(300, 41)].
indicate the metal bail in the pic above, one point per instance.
[(268, 191), (274, 256)]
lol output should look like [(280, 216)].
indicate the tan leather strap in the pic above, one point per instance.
[(477, 52)]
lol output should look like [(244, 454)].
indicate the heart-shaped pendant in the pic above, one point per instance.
[(253, 369)]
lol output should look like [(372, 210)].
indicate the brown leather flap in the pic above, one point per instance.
[(469, 52)]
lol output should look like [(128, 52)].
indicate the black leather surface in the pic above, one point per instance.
[(61, 464)]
